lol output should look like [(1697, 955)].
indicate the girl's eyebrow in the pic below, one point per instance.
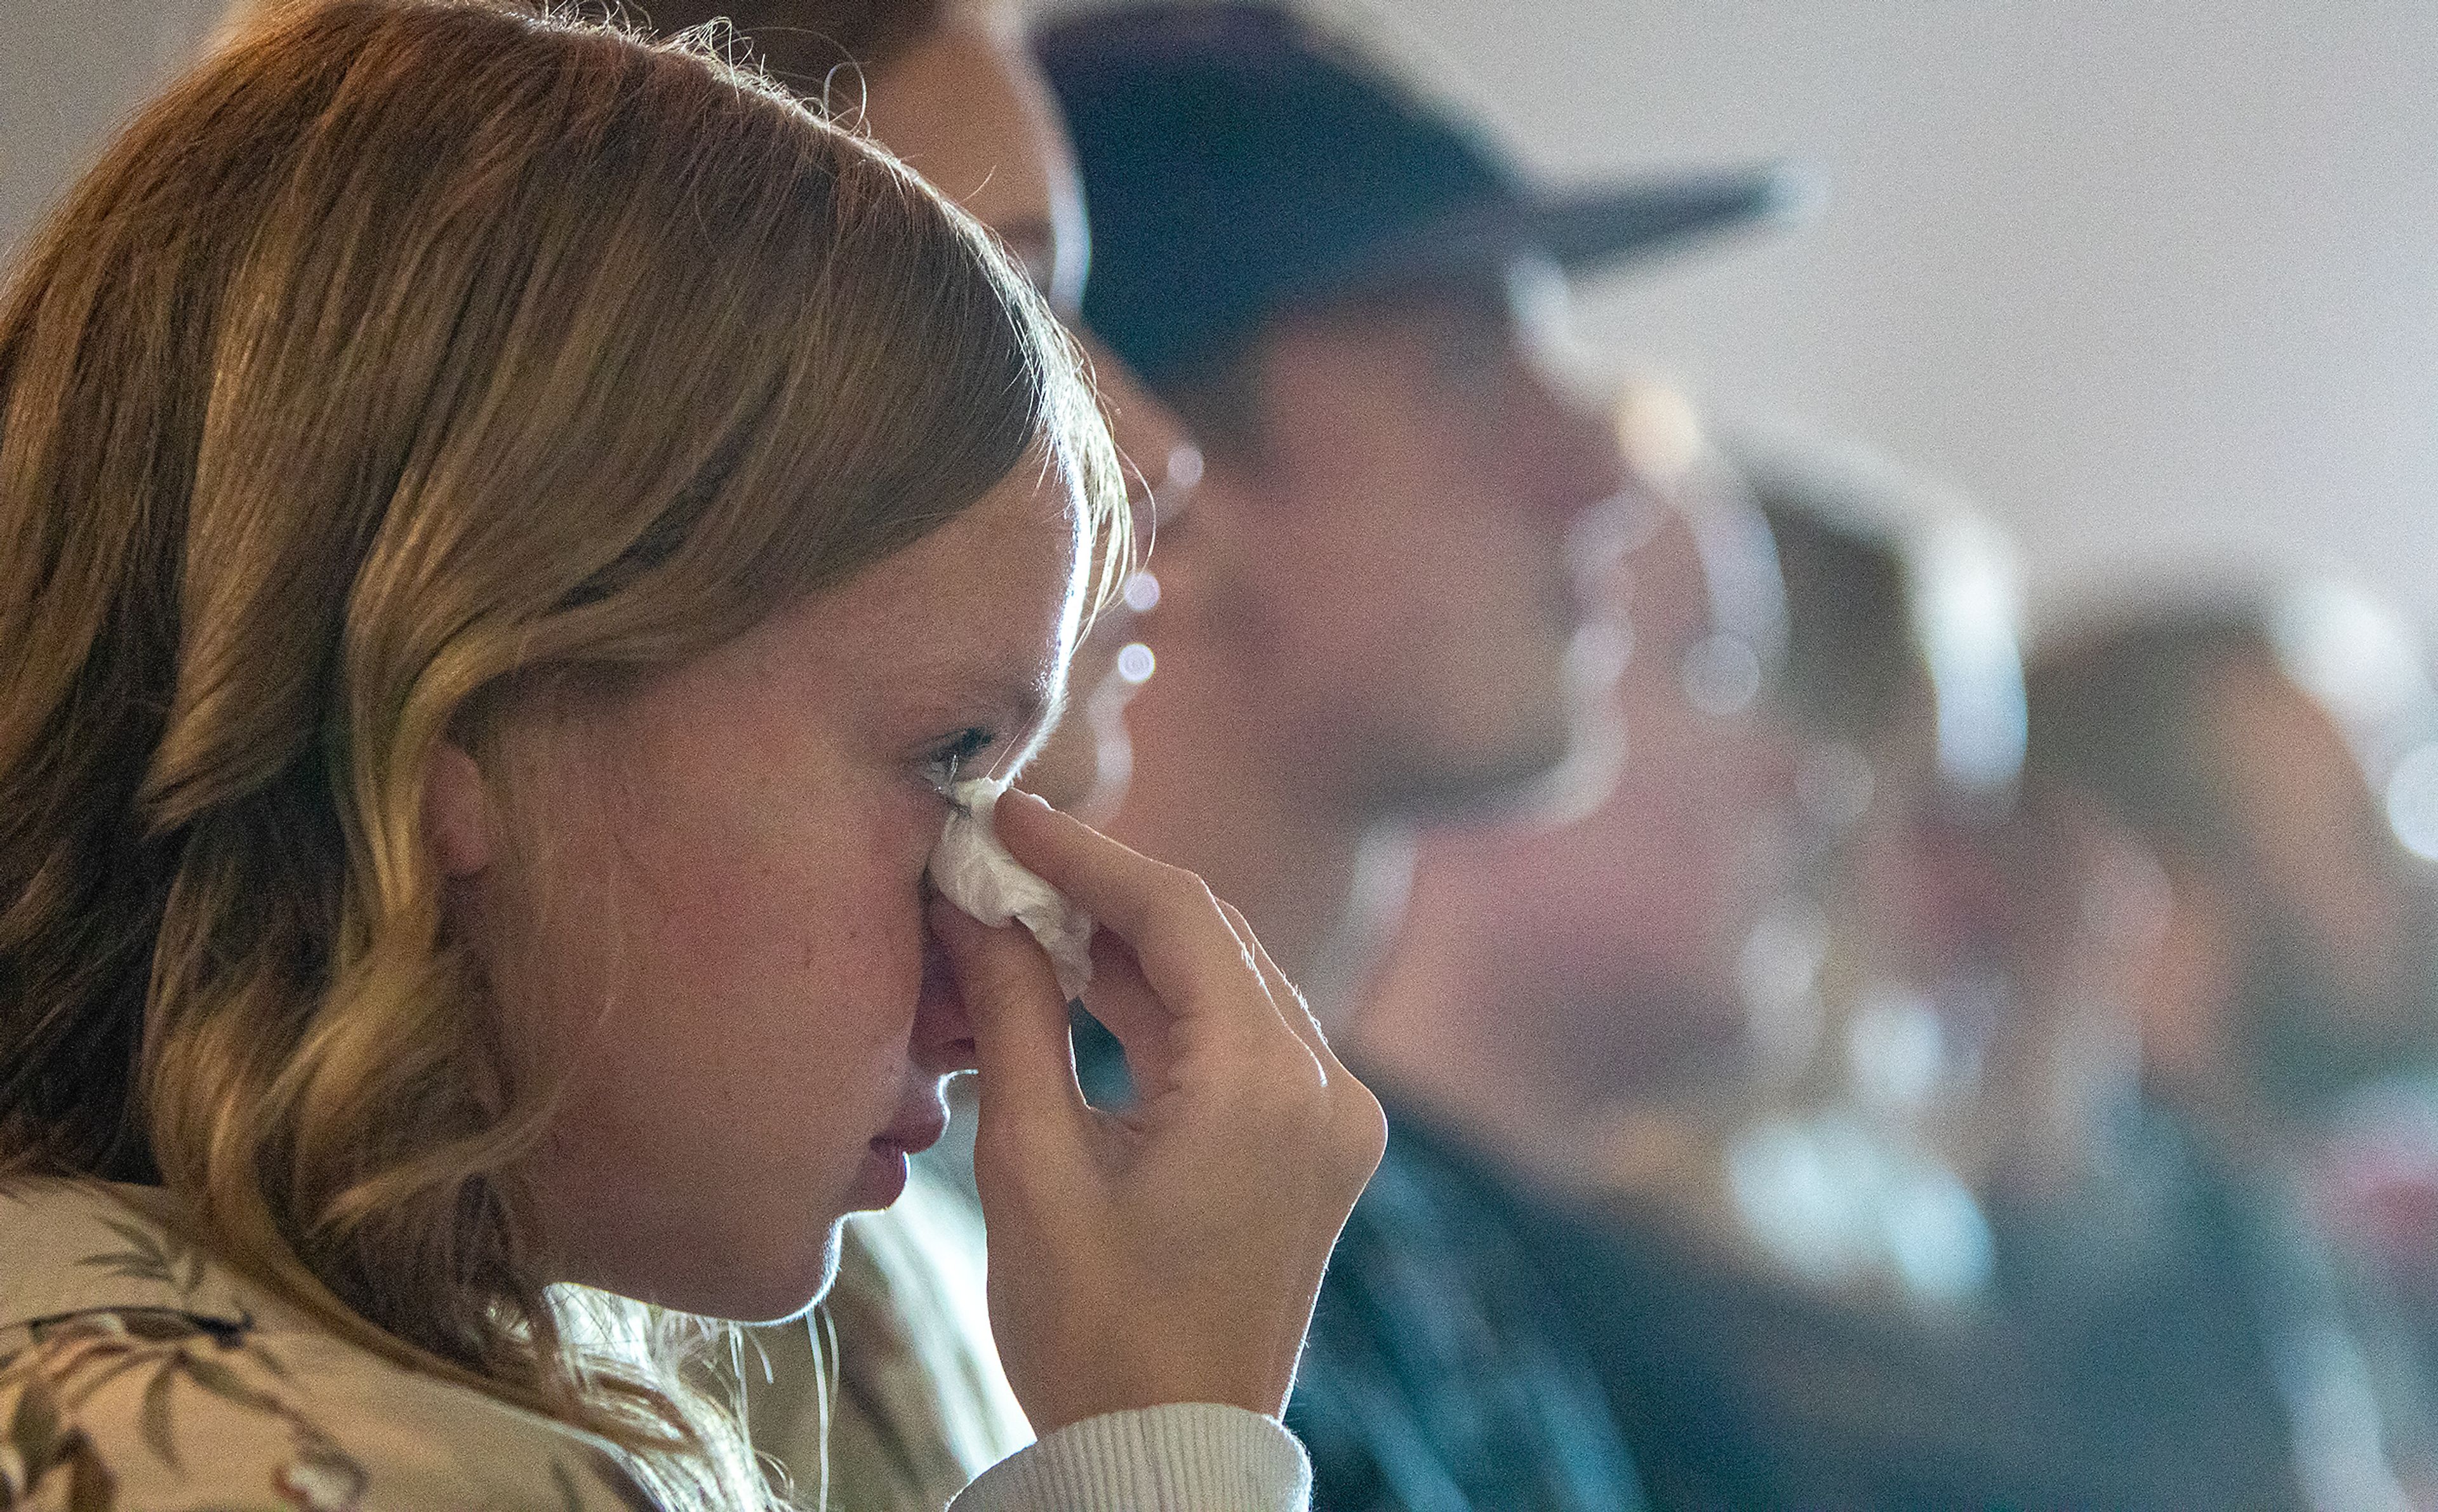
[(1022, 704)]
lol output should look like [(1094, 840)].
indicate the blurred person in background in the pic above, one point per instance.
[(2227, 954), (1849, 1327), (1873, 1000), (1496, 1010), (1367, 620), (1757, 1228)]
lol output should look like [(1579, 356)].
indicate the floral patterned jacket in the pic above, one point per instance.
[(138, 1374)]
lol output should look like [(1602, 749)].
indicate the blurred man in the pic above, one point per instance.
[(1499, 1005), (1365, 622), (1905, 693), (1736, 970), (2294, 959), (2224, 930)]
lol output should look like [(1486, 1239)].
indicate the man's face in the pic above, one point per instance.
[(2338, 975), (1407, 590), (1623, 928), (1690, 848)]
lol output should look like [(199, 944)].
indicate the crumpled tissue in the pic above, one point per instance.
[(975, 872)]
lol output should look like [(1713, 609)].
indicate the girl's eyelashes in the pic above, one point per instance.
[(945, 766)]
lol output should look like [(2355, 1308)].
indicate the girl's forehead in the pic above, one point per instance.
[(991, 598)]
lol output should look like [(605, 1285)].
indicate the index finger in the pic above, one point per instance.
[(1177, 930), (1019, 1018)]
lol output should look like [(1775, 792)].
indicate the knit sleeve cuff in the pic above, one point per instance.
[(1180, 1457)]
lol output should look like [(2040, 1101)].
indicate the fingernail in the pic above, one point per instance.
[(1023, 797)]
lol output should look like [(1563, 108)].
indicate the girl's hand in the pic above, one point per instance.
[(1170, 1253)]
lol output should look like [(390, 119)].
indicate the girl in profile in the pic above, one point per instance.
[(506, 534), (890, 1399)]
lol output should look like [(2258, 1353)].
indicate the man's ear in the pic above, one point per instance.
[(457, 812)]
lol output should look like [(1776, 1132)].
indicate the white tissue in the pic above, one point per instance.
[(974, 871)]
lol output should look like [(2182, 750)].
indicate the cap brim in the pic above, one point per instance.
[(1586, 230), (1591, 229)]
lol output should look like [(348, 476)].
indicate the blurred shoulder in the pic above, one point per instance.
[(137, 1373)]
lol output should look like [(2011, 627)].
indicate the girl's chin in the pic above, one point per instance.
[(785, 1296), (780, 1282)]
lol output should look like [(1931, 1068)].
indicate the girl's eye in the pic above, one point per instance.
[(944, 767)]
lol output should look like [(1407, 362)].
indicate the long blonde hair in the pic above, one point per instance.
[(406, 350)]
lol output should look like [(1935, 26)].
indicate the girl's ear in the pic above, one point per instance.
[(458, 813)]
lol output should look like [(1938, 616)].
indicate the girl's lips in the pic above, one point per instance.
[(882, 1177), (913, 1136)]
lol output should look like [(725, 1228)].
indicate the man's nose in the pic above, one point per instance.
[(1576, 458)]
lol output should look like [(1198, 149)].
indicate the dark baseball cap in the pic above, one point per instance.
[(1239, 161)]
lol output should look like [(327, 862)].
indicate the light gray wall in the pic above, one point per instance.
[(69, 71), (2158, 282)]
